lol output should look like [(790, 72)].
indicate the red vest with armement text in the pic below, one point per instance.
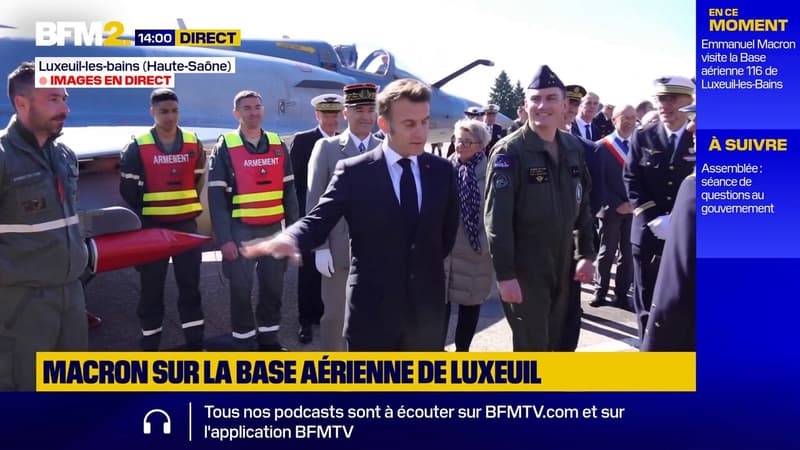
[(258, 199), (169, 180)]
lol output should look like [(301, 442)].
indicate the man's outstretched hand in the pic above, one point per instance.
[(280, 246)]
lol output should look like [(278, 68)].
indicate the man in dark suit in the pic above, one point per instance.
[(603, 123), (401, 207), (327, 110), (658, 161), (495, 131), (616, 212), (672, 324), (583, 126)]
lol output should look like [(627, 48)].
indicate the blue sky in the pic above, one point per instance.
[(614, 47)]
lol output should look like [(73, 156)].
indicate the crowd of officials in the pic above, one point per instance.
[(390, 237)]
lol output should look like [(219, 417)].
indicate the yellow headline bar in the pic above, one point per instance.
[(208, 38), (364, 372)]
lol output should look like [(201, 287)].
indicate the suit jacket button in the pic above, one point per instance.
[(669, 183), (671, 167), (669, 198), (411, 277), (413, 246)]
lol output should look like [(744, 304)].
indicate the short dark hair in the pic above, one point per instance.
[(162, 94), (408, 88), (243, 95), (644, 106), (21, 81)]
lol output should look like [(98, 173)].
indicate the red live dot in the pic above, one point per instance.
[(43, 80)]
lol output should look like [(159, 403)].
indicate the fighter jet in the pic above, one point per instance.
[(288, 74), (379, 67)]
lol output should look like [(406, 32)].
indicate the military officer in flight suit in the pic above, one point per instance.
[(537, 192)]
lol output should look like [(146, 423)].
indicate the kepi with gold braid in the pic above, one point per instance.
[(575, 92), (360, 94)]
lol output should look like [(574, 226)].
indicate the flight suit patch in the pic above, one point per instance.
[(538, 175), (501, 181), (575, 171), (502, 162), (26, 176)]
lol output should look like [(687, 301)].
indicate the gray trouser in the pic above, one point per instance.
[(332, 324), (38, 319), (615, 232), (266, 322), (269, 272)]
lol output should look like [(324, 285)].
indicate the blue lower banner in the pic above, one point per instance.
[(745, 395)]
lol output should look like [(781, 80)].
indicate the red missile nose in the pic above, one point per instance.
[(132, 248)]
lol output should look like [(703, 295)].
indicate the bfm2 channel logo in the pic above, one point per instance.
[(83, 34)]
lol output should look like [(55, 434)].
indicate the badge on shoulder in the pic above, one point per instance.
[(538, 175), (501, 181)]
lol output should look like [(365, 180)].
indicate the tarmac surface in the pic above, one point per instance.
[(114, 296)]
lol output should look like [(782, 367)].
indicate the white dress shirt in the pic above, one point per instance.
[(396, 171), (357, 141), (679, 132), (582, 128)]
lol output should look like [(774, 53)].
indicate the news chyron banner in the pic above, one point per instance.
[(364, 372), (738, 390)]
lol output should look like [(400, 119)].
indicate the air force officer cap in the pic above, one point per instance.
[(545, 78)]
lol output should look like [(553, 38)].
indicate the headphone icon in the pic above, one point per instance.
[(146, 429)]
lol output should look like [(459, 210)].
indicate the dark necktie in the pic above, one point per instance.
[(408, 198), (361, 147), (588, 132), (671, 144)]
